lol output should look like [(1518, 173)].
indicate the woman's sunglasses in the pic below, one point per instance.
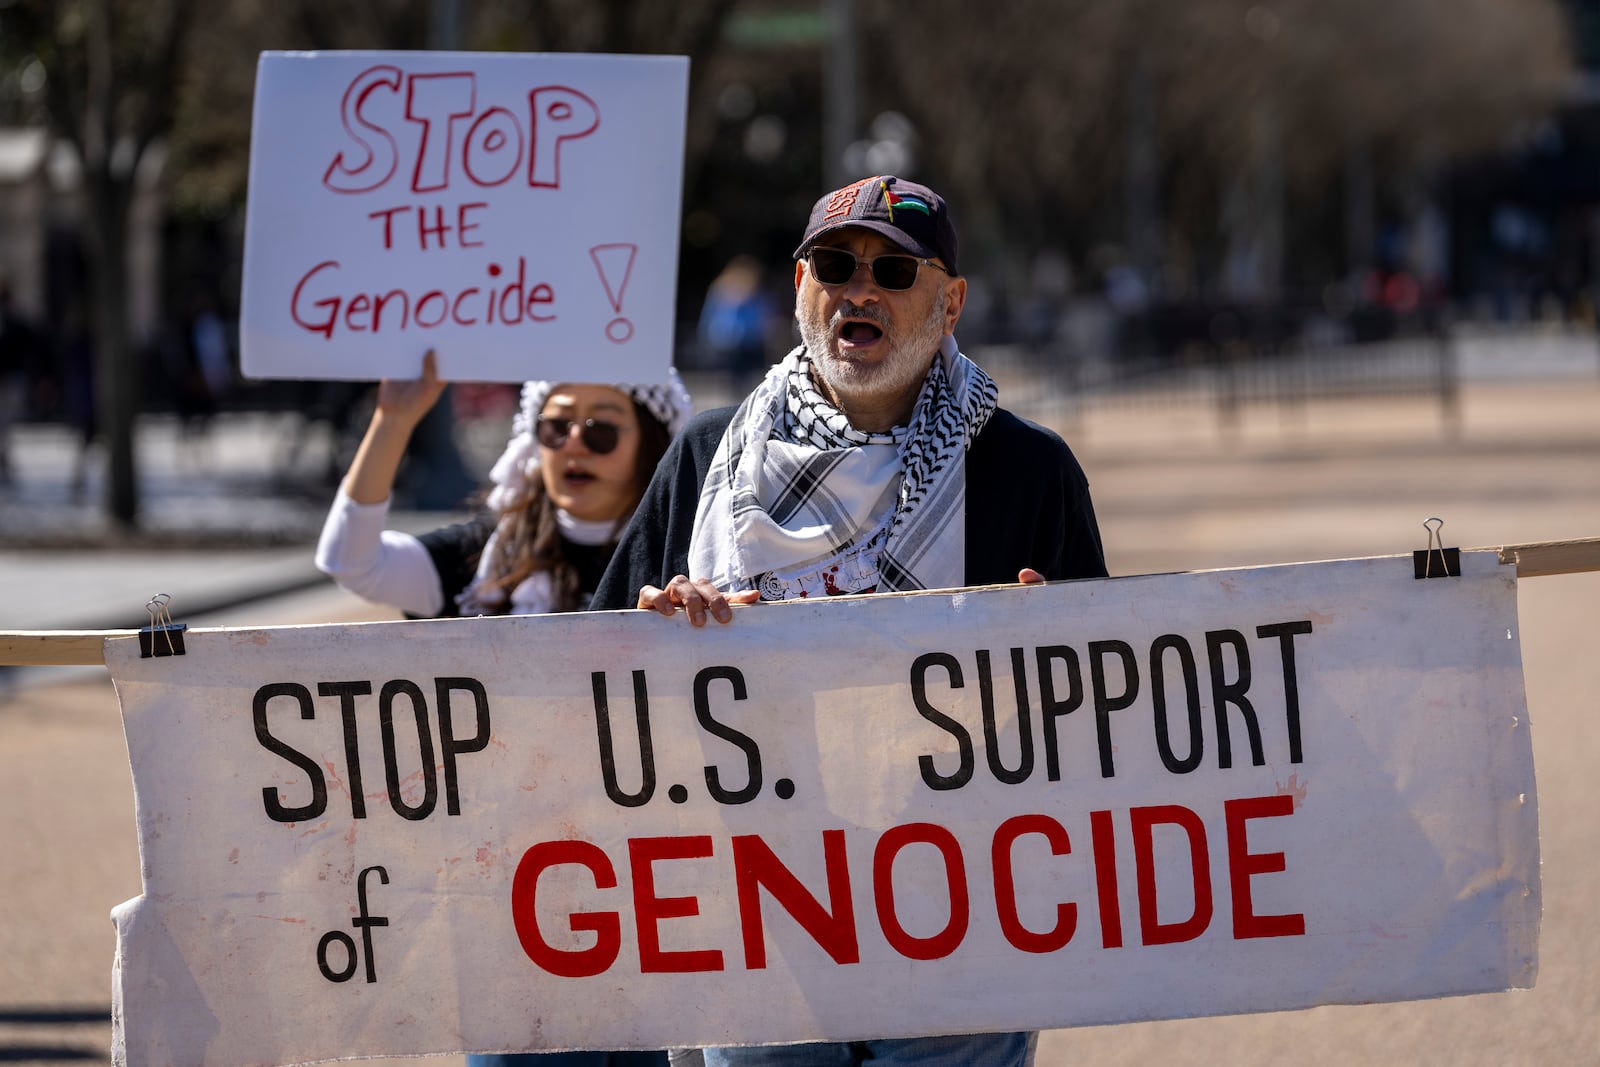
[(597, 437), (894, 273)]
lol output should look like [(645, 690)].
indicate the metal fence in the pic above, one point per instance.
[(1055, 387), (1056, 383)]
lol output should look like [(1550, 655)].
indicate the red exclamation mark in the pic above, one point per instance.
[(615, 261)]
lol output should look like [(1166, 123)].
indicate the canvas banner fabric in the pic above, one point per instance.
[(994, 809)]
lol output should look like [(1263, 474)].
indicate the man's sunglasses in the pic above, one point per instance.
[(894, 273), (597, 437)]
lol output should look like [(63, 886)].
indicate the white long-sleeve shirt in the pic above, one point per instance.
[(377, 564)]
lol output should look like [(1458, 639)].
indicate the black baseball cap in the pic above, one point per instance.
[(912, 216)]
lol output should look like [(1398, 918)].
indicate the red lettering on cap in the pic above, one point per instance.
[(840, 203)]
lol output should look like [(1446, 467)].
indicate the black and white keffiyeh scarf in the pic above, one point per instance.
[(799, 503)]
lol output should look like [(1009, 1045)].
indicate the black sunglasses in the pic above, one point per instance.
[(597, 437), (895, 273)]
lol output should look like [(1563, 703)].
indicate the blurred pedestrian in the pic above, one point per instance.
[(187, 390), (736, 318), (78, 394), (207, 337), (19, 355)]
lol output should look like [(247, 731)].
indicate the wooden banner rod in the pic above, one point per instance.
[(1553, 557), (73, 648), (56, 648)]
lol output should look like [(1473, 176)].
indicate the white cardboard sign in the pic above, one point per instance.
[(518, 213), (1081, 803)]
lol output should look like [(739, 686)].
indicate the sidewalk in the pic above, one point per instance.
[(1340, 479)]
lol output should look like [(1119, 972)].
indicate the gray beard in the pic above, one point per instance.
[(906, 364)]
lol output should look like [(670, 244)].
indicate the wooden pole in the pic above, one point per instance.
[(68, 648), (1553, 557), (56, 648)]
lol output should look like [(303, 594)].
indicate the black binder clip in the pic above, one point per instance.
[(162, 637), (1436, 561)]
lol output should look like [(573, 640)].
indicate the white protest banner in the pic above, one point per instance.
[(519, 213), (1088, 802)]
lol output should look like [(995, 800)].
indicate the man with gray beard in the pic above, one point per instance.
[(873, 458)]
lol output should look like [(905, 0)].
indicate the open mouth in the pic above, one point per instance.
[(578, 478), (859, 332)]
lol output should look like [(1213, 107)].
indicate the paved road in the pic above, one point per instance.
[(1336, 480)]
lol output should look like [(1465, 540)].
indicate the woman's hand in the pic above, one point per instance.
[(409, 399), (401, 405)]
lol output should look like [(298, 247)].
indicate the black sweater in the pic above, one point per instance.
[(1027, 506), (455, 551)]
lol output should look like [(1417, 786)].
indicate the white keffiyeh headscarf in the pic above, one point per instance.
[(799, 503), (514, 475)]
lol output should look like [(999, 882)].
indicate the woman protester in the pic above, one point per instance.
[(577, 462)]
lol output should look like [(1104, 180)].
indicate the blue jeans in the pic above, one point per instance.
[(569, 1059), (968, 1050)]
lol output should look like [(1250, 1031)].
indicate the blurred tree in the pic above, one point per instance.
[(211, 143), (111, 70), (121, 75), (1026, 107), (211, 139), (210, 148), (692, 28), (1059, 125)]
